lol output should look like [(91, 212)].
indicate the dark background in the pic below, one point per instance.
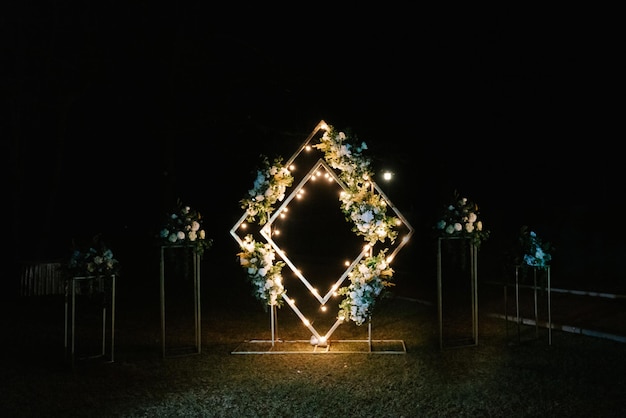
[(110, 112)]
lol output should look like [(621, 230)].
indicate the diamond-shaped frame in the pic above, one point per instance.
[(266, 232)]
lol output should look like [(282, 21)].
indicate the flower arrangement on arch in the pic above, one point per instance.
[(535, 252), (269, 187), (368, 279), (461, 219), (263, 271), (368, 213), (183, 226), (360, 204), (344, 152), (96, 260)]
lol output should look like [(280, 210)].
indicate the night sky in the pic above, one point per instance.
[(111, 113)]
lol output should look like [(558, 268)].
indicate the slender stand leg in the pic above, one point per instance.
[(549, 309), (162, 302), (73, 317), (536, 309), (517, 316), (104, 330), (196, 278), (439, 295), (506, 313)]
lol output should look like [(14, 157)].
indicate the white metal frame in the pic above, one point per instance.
[(70, 318), (196, 301), (473, 289)]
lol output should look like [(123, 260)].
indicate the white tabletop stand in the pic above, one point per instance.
[(182, 351), (98, 285)]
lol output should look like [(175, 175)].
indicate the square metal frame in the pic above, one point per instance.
[(196, 302), (70, 318), (473, 250)]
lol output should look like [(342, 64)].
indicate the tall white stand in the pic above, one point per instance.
[(98, 285), (536, 271), (445, 287), (196, 301)]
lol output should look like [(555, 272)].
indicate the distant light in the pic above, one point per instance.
[(387, 175)]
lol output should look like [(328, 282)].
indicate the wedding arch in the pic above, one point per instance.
[(372, 233)]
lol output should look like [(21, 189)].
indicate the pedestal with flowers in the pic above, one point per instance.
[(460, 233), (377, 232), (183, 242), (90, 287), (532, 271)]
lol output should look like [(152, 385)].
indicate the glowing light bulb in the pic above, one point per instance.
[(306, 322), (323, 308), (346, 263)]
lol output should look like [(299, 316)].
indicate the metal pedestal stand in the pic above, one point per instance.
[(518, 318), (196, 301), (472, 274), (71, 291)]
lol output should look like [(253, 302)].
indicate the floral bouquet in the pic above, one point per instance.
[(460, 219), (343, 151), (360, 204), (368, 213), (97, 260), (183, 227), (367, 281), (269, 187), (535, 252), (264, 273)]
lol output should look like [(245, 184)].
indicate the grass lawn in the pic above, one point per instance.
[(575, 376)]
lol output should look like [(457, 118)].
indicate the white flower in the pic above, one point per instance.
[(367, 216)]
